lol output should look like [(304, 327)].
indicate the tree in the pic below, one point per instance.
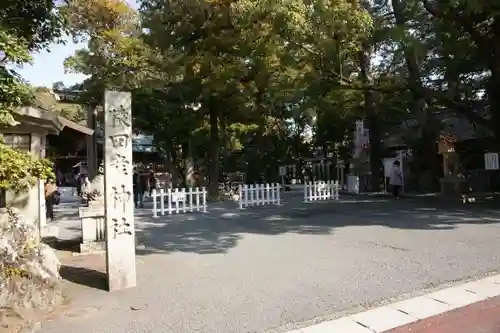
[(252, 57), (228, 83), (469, 41), (24, 26), (13, 91), (116, 58)]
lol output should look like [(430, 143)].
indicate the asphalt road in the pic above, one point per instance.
[(278, 268)]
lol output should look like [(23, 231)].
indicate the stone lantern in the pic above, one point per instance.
[(452, 183)]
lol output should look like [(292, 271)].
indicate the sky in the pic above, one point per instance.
[(47, 66)]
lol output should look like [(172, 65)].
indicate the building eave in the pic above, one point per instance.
[(48, 120)]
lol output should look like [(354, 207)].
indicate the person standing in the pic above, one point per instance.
[(78, 180), (143, 188), (139, 186), (396, 179), (153, 183), (135, 184)]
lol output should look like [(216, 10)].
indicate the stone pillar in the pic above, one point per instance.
[(118, 200)]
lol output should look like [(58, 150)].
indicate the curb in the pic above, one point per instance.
[(411, 195), (388, 317)]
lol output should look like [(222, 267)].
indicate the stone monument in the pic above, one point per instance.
[(118, 200), (92, 217)]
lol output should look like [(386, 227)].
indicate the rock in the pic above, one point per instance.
[(29, 270), (50, 263)]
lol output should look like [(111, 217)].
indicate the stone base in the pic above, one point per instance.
[(93, 247), (93, 224), (50, 230)]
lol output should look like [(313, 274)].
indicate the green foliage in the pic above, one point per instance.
[(24, 26), (13, 91), (37, 22), (240, 85), (19, 170), (226, 83)]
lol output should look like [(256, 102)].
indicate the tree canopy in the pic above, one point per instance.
[(237, 85)]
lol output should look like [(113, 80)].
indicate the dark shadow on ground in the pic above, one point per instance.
[(70, 245), (84, 276), (222, 228), (61, 216)]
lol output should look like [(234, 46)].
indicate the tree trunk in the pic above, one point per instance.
[(418, 104), (214, 149), (372, 120), (225, 143), (297, 139), (494, 83), (188, 165), (179, 166)]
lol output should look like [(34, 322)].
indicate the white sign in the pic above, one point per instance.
[(491, 161), (283, 171), (178, 196)]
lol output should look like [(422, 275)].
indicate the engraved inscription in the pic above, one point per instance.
[(121, 226), (121, 197), (120, 117), (121, 163), (119, 140)]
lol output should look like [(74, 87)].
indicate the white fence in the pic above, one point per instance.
[(320, 190), (179, 201), (258, 195)]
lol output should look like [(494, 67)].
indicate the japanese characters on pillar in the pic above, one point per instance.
[(119, 208)]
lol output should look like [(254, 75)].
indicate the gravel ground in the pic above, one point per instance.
[(269, 269)]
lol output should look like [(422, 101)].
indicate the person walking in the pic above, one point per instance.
[(396, 179), (52, 197)]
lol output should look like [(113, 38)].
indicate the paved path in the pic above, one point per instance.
[(277, 269), (475, 303)]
